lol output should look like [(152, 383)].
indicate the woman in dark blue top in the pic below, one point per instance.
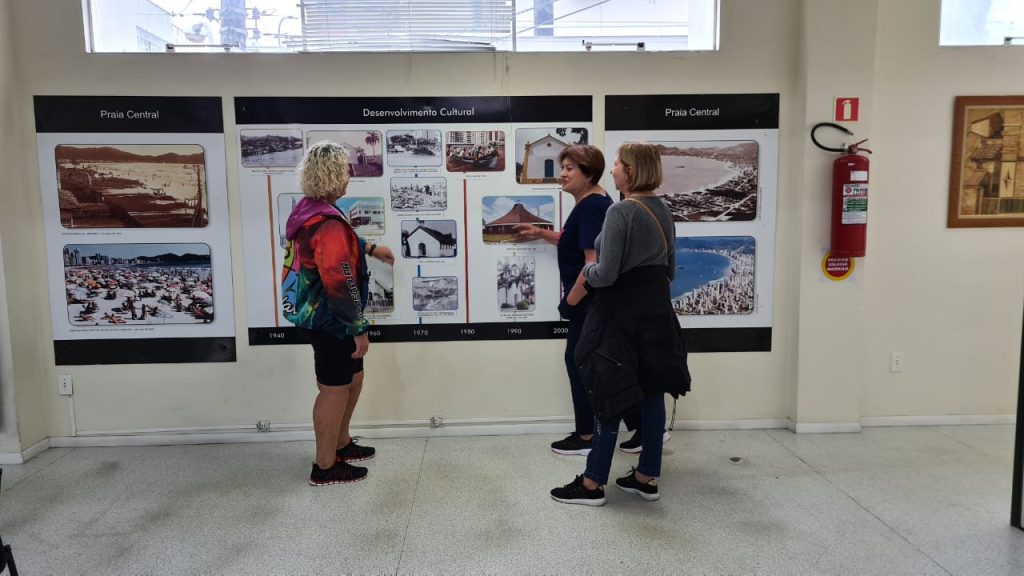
[(582, 166)]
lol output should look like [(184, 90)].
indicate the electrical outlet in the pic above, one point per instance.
[(896, 362), (64, 384)]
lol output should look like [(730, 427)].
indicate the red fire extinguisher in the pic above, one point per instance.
[(849, 196)]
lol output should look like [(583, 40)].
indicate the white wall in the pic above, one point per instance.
[(21, 342), (915, 266), (950, 299)]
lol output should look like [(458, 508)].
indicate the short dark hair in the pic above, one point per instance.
[(588, 158)]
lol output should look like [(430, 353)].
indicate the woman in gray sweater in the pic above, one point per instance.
[(631, 351)]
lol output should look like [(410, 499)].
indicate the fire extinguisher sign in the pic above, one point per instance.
[(855, 204)]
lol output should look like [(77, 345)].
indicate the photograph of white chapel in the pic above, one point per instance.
[(537, 151), (428, 238)]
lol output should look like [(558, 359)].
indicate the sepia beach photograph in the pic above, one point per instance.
[(476, 151), (501, 215), (714, 275), (435, 293), (710, 181), (138, 284), (517, 283), (414, 147), (132, 186), (271, 148), (364, 148), (537, 151)]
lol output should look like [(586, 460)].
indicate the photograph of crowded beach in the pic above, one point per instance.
[(414, 147), (711, 181), (517, 283), (380, 298), (365, 214), (435, 293), (419, 193), (501, 215), (132, 186), (428, 238), (364, 148), (476, 151), (271, 148), (133, 284), (537, 151), (714, 275)]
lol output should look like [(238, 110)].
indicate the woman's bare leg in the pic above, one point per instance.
[(328, 413)]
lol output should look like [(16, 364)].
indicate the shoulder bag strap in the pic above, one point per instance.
[(668, 253)]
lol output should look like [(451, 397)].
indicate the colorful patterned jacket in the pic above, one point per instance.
[(325, 280)]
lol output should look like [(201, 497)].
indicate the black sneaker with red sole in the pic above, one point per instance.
[(353, 452), (340, 473)]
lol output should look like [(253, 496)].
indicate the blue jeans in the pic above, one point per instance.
[(652, 426)]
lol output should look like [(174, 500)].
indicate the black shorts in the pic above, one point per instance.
[(332, 357)]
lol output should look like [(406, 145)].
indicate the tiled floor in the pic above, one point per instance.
[(887, 501)]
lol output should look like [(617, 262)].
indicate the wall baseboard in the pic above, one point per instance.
[(412, 429), (824, 427), (947, 420), (470, 427), (26, 455)]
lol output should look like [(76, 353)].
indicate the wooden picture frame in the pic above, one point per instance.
[(986, 181)]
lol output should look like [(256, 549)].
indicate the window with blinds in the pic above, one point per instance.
[(401, 25), (982, 23)]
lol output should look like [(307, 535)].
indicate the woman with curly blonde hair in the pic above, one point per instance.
[(326, 302)]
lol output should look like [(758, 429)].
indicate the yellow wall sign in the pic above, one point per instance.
[(837, 268)]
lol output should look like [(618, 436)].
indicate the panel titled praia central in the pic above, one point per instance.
[(683, 112), (130, 114)]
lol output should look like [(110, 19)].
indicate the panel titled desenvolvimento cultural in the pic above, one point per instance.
[(443, 182)]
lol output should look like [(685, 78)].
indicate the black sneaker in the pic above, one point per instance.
[(340, 473), (576, 493), (572, 445), (632, 446), (635, 443), (353, 452), (629, 483)]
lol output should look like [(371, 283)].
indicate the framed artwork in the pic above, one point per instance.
[(986, 182)]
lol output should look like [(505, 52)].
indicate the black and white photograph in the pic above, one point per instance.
[(501, 215), (429, 239), (133, 284), (132, 186), (537, 151), (437, 293), (271, 148), (364, 148), (380, 298), (517, 283), (411, 194), (714, 275), (710, 181), (476, 151), (364, 213), (414, 147)]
